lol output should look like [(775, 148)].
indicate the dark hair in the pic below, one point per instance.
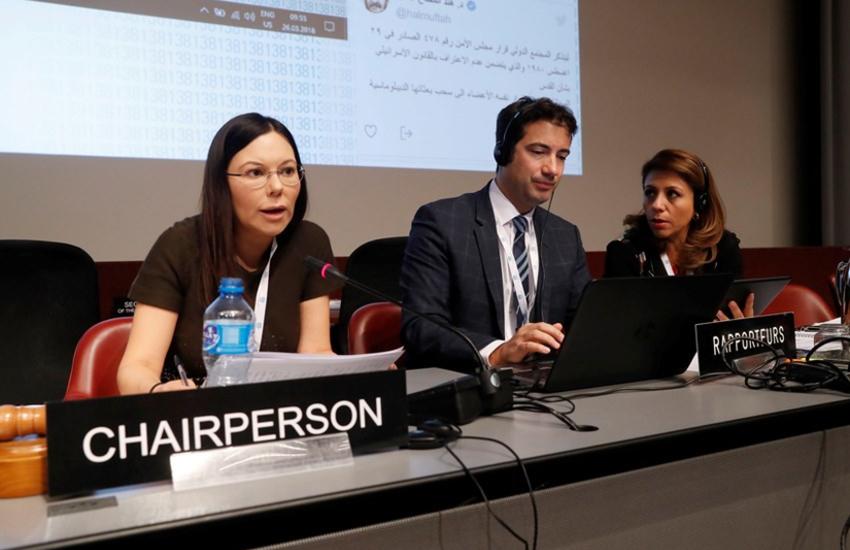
[(512, 120), (218, 251), (706, 229)]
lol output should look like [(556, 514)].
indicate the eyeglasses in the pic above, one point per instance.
[(258, 177)]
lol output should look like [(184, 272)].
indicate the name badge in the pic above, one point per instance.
[(776, 330)]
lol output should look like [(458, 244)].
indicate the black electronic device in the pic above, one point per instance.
[(452, 402), (631, 328), (503, 154), (764, 288), (456, 401), (432, 434), (701, 198)]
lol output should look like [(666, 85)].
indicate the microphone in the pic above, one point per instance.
[(489, 380)]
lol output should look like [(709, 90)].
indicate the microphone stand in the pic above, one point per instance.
[(489, 380)]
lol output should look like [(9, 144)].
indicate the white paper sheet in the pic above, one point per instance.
[(269, 366)]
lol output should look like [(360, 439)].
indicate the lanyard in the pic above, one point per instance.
[(262, 299), (523, 302), (668, 267)]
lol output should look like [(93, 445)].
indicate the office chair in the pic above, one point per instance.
[(375, 263), (375, 327), (807, 305), (96, 360), (50, 299)]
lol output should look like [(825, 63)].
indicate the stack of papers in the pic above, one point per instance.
[(267, 366), (806, 338)]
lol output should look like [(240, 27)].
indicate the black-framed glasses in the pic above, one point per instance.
[(258, 177)]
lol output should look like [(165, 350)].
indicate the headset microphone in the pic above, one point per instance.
[(701, 198), (501, 154)]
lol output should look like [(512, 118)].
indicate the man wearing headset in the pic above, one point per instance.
[(491, 263)]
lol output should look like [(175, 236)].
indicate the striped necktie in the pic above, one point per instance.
[(521, 258)]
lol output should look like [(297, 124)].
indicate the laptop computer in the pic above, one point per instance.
[(630, 329)]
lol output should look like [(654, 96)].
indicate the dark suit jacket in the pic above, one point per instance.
[(621, 257), (451, 271)]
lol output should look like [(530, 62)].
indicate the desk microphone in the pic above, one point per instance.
[(489, 380)]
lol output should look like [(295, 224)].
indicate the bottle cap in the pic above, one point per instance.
[(231, 285)]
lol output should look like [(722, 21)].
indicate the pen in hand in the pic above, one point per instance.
[(181, 370)]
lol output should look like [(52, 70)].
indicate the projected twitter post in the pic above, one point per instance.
[(387, 83)]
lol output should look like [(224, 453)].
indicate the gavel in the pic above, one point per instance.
[(23, 461)]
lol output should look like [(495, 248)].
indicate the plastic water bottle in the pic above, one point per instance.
[(228, 335)]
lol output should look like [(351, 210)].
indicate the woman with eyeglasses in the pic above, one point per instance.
[(251, 226), (680, 229)]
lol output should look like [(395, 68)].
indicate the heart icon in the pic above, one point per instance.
[(370, 130)]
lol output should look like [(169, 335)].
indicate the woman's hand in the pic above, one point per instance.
[(736, 311)]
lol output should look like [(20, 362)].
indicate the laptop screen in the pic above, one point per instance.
[(629, 329)]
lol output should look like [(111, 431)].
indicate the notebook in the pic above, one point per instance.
[(630, 329)]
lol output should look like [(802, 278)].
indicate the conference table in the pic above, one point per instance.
[(708, 465)]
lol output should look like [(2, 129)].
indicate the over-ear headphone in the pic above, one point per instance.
[(501, 153), (432, 434), (701, 198)]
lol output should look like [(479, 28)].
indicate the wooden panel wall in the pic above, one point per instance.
[(810, 266)]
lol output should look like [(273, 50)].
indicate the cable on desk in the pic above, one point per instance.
[(630, 389), (533, 405), (521, 465), (790, 374), (486, 500), (433, 433), (524, 400)]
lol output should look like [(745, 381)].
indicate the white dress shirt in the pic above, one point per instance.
[(504, 212)]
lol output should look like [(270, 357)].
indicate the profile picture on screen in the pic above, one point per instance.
[(376, 6)]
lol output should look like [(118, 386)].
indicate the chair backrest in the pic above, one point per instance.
[(49, 300), (807, 305), (375, 263), (375, 327), (96, 359)]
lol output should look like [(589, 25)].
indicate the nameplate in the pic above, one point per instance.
[(777, 330), (100, 443)]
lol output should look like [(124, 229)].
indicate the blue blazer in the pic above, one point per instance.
[(451, 271)]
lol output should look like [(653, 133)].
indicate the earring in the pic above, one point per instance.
[(696, 216)]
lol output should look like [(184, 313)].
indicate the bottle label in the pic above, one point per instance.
[(227, 337)]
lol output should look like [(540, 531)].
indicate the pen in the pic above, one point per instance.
[(181, 370)]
